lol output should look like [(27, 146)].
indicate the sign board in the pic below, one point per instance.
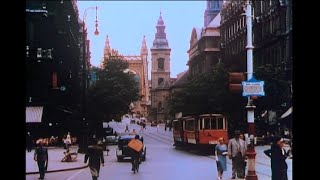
[(253, 87)]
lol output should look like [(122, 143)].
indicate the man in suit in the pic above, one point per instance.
[(41, 156), (237, 152), (95, 156)]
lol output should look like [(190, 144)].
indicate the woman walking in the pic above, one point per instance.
[(221, 151)]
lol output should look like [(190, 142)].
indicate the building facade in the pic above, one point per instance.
[(160, 74), (138, 65), (272, 37), (52, 67)]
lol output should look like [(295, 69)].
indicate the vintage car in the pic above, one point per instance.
[(112, 139), (154, 123), (123, 151)]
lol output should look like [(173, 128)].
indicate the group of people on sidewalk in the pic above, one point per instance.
[(236, 151)]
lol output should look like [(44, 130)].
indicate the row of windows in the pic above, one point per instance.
[(274, 55), (205, 123), (235, 28)]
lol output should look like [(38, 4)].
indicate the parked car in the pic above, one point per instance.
[(154, 123), (112, 139), (123, 150), (108, 131)]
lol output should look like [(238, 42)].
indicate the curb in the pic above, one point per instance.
[(58, 170)]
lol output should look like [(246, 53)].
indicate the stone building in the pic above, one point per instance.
[(138, 65), (160, 74)]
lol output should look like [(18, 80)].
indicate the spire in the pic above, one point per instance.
[(107, 49), (160, 40), (144, 48)]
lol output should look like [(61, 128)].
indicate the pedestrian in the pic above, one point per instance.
[(29, 142), (243, 137), (221, 151), (157, 127), (136, 152), (165, 126), (95, 156), (41, 156), (127, 128), (278, 157), (237, 153)]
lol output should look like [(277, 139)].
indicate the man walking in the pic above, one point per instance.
[(95, 156), (41, 156), (237, 152)]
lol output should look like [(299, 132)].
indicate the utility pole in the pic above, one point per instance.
[(251, 154)]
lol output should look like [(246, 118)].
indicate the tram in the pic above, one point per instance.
[(202, 130)]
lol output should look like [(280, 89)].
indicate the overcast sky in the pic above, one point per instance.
[(126, 22)]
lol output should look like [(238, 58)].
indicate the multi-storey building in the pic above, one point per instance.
[(272, 35), (138, 65), (52, 66), (160, 74)]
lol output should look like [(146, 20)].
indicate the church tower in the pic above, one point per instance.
[(160, 73), (213, 8)]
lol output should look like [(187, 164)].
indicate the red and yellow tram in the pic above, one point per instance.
[(201, 130)]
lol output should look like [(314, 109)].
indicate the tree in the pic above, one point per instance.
[(277, 88), (113, 92), (209, 93)]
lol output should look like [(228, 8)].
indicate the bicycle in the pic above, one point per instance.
[(136, 163)]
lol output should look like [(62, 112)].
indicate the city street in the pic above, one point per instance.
[(163, 161)]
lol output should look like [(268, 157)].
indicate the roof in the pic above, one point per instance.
[(182, 79)]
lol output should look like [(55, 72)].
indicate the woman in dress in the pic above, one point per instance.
[(221, 151)]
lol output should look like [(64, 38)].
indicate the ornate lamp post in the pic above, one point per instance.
[(251, 175), (84, 140)]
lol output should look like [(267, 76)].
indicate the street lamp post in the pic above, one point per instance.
[(84, 140), (251, 154)]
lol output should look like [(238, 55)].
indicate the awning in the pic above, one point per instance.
[(34, 114), (287, 113)]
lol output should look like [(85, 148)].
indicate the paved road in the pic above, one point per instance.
[(163, 162)]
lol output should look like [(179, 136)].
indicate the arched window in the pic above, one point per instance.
[(159, 106), (160, 64), (138, 81), (160, 80)]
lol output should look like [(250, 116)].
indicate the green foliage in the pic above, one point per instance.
[(209, 93), (277, 89), (113, 92)]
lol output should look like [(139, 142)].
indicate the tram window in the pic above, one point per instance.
[(190, 125), (220, 123), (206, 123), (201, 124), (213, 123)]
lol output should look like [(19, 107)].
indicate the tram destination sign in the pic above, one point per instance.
[(253, 87)]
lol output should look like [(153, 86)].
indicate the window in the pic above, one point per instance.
[(190, 125), (160, 80), (54, 80), (213, 123), (220, 123), (160, 64), (206, 123), (159, 106)]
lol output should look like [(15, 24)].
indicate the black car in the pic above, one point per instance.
[(154, 123), (108, 131), (123, 150)]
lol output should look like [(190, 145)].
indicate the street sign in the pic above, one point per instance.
[(253, 87)]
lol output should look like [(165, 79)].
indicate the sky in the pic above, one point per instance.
[(126, 22)]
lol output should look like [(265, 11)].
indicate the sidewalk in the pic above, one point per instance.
[(55, 155)]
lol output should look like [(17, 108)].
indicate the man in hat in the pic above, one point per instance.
[(95, 156), (41, 156), (237, 152)]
